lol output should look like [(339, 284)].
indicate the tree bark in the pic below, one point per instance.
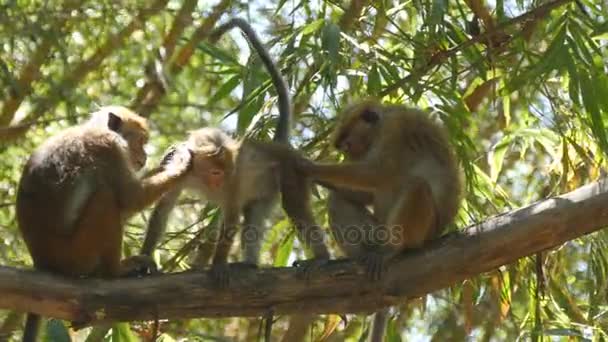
[(339, 287)]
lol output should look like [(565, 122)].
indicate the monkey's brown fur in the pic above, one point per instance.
[(243, 178), (80, 186), (404, 160), (400, 163)]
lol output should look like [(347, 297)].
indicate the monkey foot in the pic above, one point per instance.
[(306, 268), (138, 266), (375, 265)]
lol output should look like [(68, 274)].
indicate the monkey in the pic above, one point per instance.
[(79, 187), (399, 163), (244, 178)]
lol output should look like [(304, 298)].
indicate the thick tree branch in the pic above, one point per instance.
[(337, 288)]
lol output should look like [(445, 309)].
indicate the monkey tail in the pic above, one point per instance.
[(285, 109), (379, 325), (32, 323)]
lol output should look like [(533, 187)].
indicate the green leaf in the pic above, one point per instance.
[(373, 80), (437, 12), (313, 26), (121, 332), (590, 103), (284, 251), (497, 155), (56, 331), (331, 41), (225, 88), (218, 54)]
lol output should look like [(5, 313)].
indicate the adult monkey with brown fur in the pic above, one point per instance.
[(399, 162), (77, 190), (243, 177)]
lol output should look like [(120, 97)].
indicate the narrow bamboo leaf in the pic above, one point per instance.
[(331, 41), (373, 80), (437, 12), (225, 88), (497, 155), (218, 54), (313, 26), (392, 331), (284, 251), (121, 332), (56, 331), (591, 106)]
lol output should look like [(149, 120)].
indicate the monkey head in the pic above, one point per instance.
[(357, 128), (132, 128), (214, 153)]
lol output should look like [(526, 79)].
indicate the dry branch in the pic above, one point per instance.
[(339, 287)]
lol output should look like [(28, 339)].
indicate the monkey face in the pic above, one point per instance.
[(210, 170), (355, 138)]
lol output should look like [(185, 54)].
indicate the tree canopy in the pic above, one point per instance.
[(522, 87)]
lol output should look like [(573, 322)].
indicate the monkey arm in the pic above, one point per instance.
[(134, 194), (360, 176), (158, 221)]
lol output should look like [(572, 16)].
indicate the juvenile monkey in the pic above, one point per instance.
[(244, 178), (401, 164), (80, 186)]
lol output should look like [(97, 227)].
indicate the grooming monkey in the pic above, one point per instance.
[(244, 178), (80, 186), (401, 164)]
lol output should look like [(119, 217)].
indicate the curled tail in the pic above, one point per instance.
[(32, 324), (285, 109)]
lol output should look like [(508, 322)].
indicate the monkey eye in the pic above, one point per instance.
[(216, 172), (369, 116)]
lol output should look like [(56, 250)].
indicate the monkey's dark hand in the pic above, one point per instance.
[(138, 266), (374, 263), (306, 268), (178, 158)]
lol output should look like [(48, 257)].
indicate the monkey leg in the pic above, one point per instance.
[(413, 219), (295, 199), (350, 221), (220, 270), (252, 235), (411, 222)]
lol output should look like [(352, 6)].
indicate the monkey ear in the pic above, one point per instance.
[(114, 122), (370, 116)]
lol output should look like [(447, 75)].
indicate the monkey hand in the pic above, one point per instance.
[(306, 268), (178, 159), (374, 263), (138, 266)]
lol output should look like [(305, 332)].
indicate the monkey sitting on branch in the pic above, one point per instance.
[(244, 178), (80, 186), (401, 164)]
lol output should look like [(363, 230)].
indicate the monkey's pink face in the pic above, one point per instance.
[(136, 142), (209, 171)]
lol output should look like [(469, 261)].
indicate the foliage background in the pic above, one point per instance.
[(521, 85)]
